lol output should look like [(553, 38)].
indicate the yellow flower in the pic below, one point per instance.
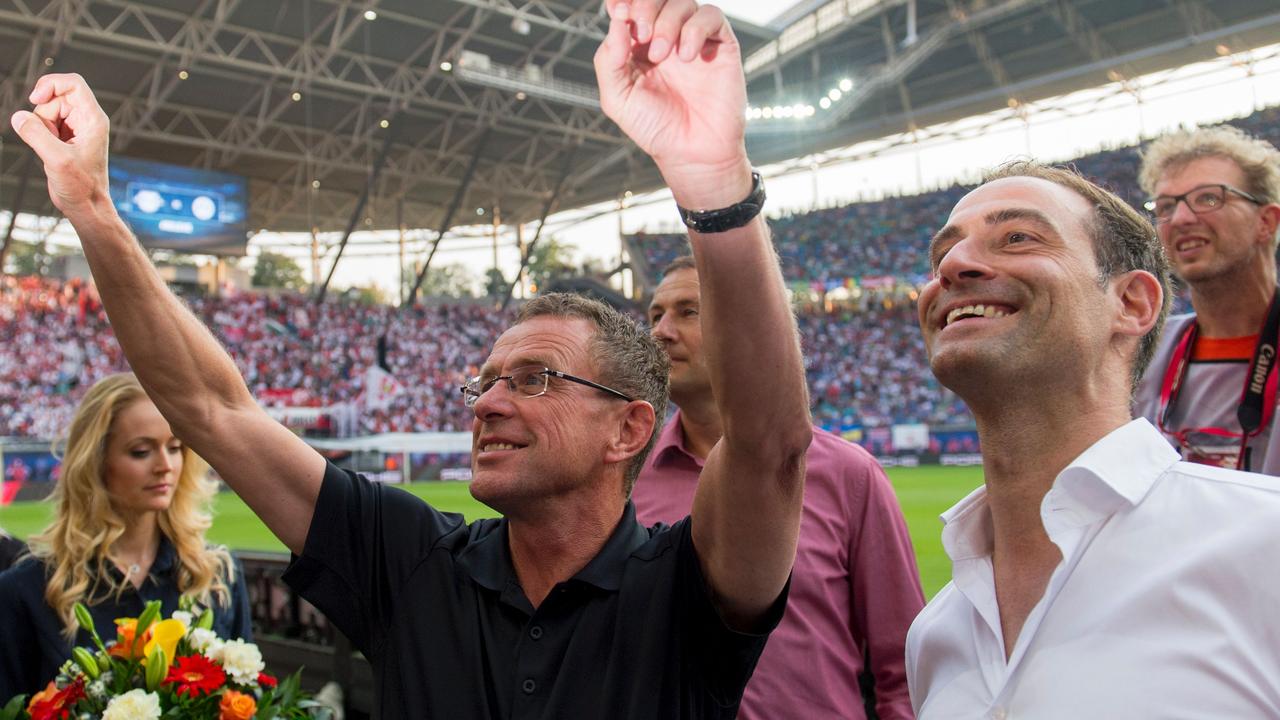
[(165, 634)]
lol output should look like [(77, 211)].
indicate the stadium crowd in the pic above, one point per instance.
[(57, 343), (869, 369), (890, 237), (866, 368)]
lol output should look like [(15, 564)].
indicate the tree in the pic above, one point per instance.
[(29, 258), (454, 281), (366, 295), (550, 258), (495, 286), (273, 270)]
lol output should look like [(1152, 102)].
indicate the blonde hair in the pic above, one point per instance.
[(75, 547), (1257, 158)]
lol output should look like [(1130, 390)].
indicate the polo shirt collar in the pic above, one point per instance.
[(670, 444), (606, 568), (488, 559), (1115, 473)]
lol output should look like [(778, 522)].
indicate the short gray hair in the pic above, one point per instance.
[(629, 359)]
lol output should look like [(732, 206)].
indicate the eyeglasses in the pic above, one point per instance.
[(528, 381), (1200, 200)]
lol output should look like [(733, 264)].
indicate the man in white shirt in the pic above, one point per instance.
[(1095, 574)]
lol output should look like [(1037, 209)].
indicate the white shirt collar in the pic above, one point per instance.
[(1116, 471)]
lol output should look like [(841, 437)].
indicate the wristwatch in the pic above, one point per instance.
[(734, 216)]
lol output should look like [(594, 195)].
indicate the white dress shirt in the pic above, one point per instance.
[(1166, 603)]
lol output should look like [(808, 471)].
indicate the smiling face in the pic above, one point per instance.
[(142, 460), (1221, 245), (532, 448), (1015, 301), (674, 316)]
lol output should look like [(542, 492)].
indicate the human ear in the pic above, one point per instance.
[(1140, 299), (635, 427)]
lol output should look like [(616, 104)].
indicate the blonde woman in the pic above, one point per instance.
[(129, 524)]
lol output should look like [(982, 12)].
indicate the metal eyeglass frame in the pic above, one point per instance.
[(1185, 198), (472, 391)]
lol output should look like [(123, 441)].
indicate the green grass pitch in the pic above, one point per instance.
[(924, 493)]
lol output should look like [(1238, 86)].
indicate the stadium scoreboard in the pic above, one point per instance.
[(181, 208)]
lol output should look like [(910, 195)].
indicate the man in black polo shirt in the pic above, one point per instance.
[(566, 607)]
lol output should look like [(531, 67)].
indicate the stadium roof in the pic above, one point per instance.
[(297, 92)]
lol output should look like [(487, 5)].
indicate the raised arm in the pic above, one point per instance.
[(671, 76), (186, 372)]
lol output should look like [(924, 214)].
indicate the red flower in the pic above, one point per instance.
[(266, 681), (54, 704), (195, 674)]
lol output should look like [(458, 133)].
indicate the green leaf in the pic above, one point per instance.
[(17, 705), (205, 622), (149, 615)]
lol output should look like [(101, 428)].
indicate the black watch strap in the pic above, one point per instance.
[(734, 216)]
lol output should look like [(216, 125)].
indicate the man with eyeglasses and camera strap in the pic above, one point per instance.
[(566, 607), (1211, 387)]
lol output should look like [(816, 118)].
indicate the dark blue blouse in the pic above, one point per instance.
[(32, 646)]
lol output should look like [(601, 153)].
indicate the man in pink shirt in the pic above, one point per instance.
[(854, 589)]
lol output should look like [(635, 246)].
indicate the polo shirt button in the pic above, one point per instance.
[(535, 632), (529, 686), (999, 713)]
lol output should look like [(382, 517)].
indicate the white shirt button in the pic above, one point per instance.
[(999, 713)]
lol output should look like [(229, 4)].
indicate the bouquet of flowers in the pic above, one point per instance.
[(165, 668)]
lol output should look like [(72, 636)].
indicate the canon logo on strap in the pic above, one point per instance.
[(1266, 354)]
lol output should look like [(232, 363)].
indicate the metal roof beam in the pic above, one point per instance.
[(569, 21), (981, 48), (896, 69), (258, 54), (20, 80), (159, 82), (811, 31), (1197, 17), (307, 60), (1080, 30)]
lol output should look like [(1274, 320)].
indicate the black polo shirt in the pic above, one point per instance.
[(436, 607)]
